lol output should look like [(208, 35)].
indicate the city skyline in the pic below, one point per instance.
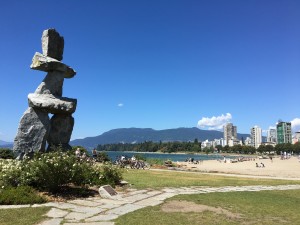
[(158, 64)]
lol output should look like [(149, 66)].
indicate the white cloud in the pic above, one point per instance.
[(120, 105), (296, 124), (215, 122)]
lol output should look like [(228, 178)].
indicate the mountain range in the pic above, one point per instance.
[(137, 135), (5, 144)]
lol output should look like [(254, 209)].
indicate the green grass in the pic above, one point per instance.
[(265, 207), (158, 179), (22, 216)]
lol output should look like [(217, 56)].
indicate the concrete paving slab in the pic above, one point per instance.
[(148, 202), (109, 206), (134, 198), (136, 192), (57, 213), (78, 216), (103, 217), (111, 201), (87, 209), (98, 223), (13, 206), (152, 193), (54, 221), (164, 196), (85, 202), (124, 209)]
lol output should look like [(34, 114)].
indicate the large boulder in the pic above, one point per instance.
[(52, 84), (32, 133), (52, 44), (48, 64), (52, 104), (61, 131)]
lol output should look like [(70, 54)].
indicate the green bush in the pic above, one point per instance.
[(108, 174), (20, 195), (140, 157), (6, 153), (153, 161), (102, 157), (49, 171), (54, 170), (11, 172)]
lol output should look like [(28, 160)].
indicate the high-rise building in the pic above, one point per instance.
[(284, 132), (230, 132), (271, 135), (256, 136)]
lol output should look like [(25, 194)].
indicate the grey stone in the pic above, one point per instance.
[(34, 127), (85, 202), (78, 216), (52, 44), (61, 129), (48, 64), (54, 221), (57, 213), (122, 210), (97, 223), (138, 197), (149, 202), (102, 218), (52, 84), (32, 132), (52, 104), (13, 206)]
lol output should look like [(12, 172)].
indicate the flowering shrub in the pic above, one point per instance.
[(51, 171)]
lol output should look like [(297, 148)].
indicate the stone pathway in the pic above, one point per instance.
[(99, 211)]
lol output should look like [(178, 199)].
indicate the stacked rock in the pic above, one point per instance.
[(35, 127)]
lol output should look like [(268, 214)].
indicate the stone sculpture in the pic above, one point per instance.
[(35, 127)]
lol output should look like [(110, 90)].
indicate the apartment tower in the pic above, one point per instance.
[(284, 132), (256, 136), (230, 132)]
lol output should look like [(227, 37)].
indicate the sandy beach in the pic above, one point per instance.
[(288, 168)]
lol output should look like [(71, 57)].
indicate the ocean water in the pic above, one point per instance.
[(165, 156)]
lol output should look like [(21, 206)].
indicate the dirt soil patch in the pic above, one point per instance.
[(186, 206)]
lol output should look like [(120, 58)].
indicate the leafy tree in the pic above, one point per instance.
[(236, 148), (226, 148), (269, 148), (219, 147), (261, 149), (6, 153), (296, 148)]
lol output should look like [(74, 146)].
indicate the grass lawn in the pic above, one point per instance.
[(265, 207), (156, 179), (22, 216)]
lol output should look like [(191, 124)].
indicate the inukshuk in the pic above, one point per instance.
[(35, 128)]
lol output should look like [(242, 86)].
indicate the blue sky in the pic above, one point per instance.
[(158, 64)]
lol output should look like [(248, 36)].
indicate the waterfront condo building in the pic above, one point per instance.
[(256, 136), (284, 132), (230, 132), (272, 135)]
